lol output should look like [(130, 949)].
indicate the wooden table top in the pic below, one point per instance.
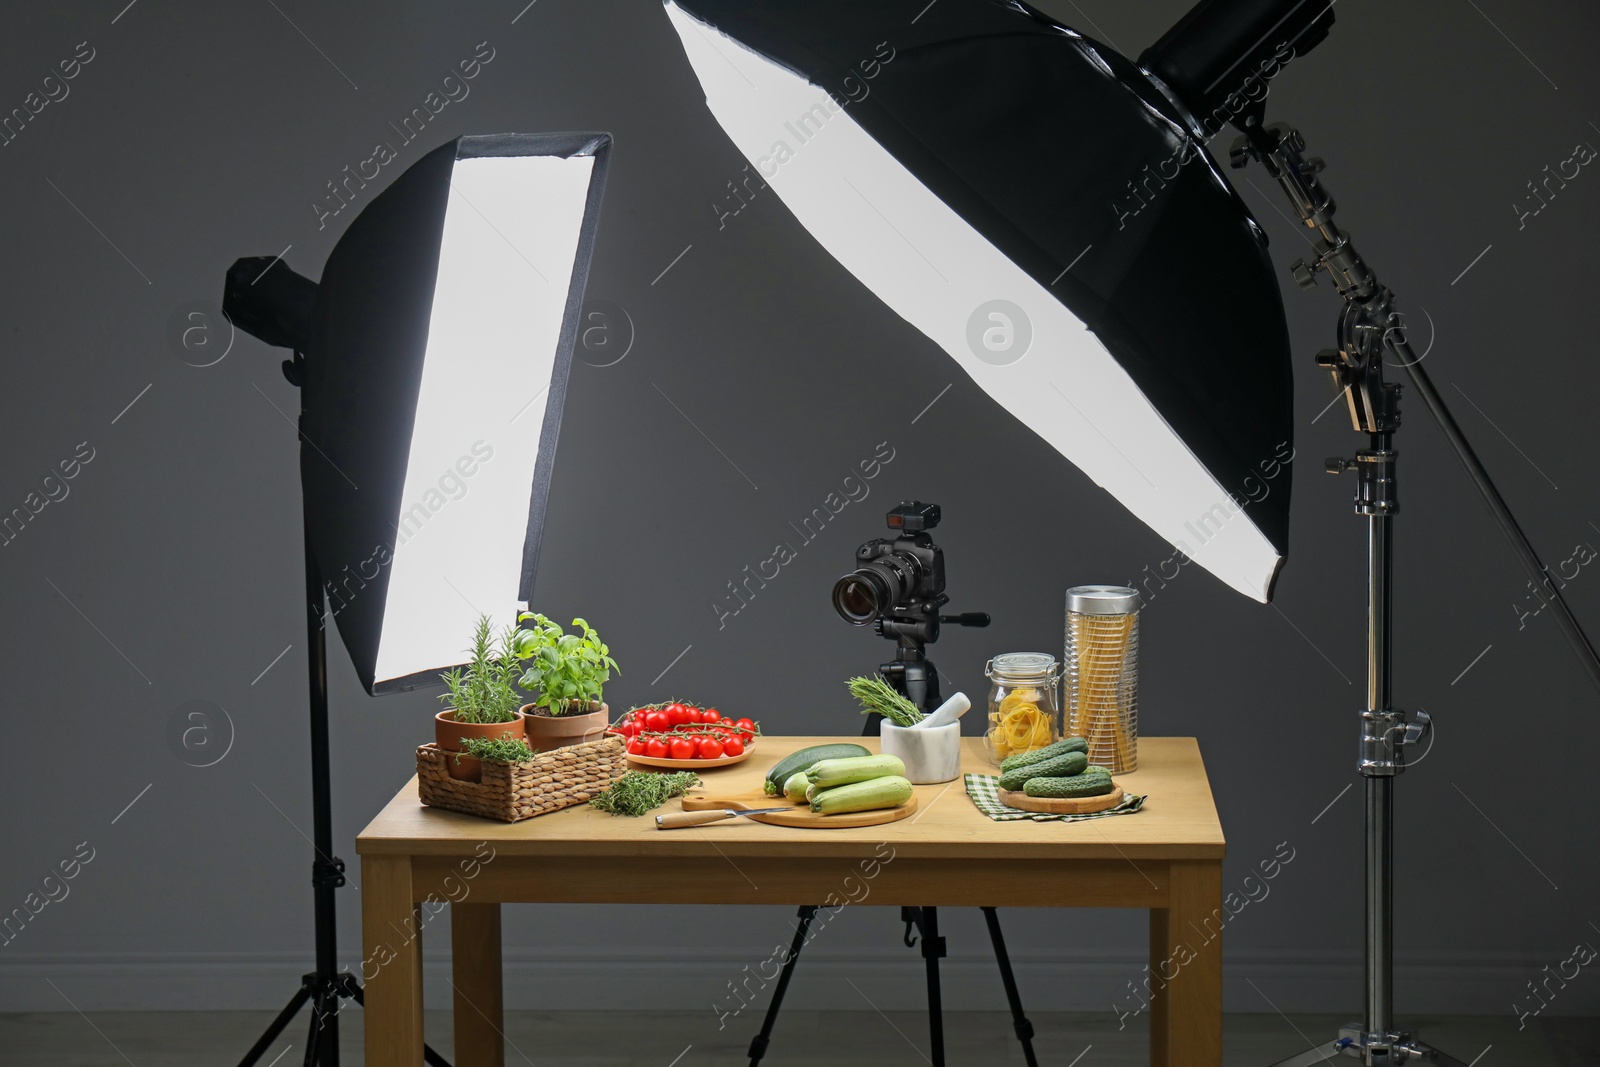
[(1178, 821)]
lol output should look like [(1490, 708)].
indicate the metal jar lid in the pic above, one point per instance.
[(1022, 666), (1102, 600)]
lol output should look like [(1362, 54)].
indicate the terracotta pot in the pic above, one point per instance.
[(545, 732), (447, 734)]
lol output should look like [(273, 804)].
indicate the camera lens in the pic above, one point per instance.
[(857, 597), (875, 588)]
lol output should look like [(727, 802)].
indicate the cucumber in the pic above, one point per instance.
[(888, 791), (844, 771), (1063, 766), (795, 787), (1096, 782), (1060, 748), (803, 760)]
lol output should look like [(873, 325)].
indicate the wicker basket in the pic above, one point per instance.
[(514, 791)]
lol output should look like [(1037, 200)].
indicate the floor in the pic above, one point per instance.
[(691, 1039)]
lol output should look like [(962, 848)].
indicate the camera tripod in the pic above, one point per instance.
[(915, 677)]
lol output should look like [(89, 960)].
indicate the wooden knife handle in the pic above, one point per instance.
[(691, 818)]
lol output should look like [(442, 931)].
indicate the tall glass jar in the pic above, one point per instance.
[(1024, 703), (1102, 668)]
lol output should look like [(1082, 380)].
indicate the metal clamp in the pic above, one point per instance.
[(1377, 482), (1384, 738), (327, 872)]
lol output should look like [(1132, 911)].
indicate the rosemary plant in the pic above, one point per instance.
[(485, 691)]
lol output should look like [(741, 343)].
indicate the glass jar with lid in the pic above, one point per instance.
[(1102, 671), (1024, 703)]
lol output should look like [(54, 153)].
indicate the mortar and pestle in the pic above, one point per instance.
[(931, 750)]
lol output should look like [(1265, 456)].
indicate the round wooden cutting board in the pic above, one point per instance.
[(1061, 805), (802, 814)]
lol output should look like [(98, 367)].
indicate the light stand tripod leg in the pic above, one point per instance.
[(353, 991), (316, 1041), (285, 1017), (1019, 1021), (758, 1044), (1328, 1053)]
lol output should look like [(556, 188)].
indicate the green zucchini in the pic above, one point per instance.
[(888, 791), (803, 760), (795, 787), (1096, 782), (1060, 748), (1063, 766), (848, 769)]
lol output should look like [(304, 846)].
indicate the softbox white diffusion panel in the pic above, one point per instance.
[(435, 372)]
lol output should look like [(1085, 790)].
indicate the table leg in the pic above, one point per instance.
[(479, 1000), (391, 967), (1186, 968)]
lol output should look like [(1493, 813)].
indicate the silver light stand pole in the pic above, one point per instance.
[(1370, 326)]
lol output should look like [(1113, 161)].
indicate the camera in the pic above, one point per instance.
[(898, 587), (895, 576)]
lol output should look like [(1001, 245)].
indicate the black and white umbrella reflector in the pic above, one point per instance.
[(979, 182)]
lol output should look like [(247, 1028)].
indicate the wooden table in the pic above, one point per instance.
[(1167, 858)]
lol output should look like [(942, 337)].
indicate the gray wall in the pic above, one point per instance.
[(170, 572)]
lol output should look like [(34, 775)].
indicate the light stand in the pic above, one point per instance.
[(429, 324), (1369, 327), (1214, 63), (327, 987)]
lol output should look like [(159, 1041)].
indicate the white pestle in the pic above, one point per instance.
[(945, 713)]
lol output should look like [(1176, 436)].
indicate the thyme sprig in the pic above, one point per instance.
[(638, 792)]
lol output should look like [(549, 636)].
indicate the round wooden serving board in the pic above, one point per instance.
[(1061, 805), (801, 815)]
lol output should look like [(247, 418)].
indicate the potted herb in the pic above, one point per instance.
[(568, 672), (482, 698)]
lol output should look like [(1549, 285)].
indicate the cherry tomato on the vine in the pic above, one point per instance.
[(637, 746), (657, 722), (656, 748), (710, 748), (682, 748), (733, 747)]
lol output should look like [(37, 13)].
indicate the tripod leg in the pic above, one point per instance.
[(314, 1039), (285, 1017), (932, 949), (1428, 1054), (1019, 1021), (758, 1044), (1329, 1052), (429, 1056)]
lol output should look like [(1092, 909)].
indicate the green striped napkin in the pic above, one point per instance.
[(984, 789)]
